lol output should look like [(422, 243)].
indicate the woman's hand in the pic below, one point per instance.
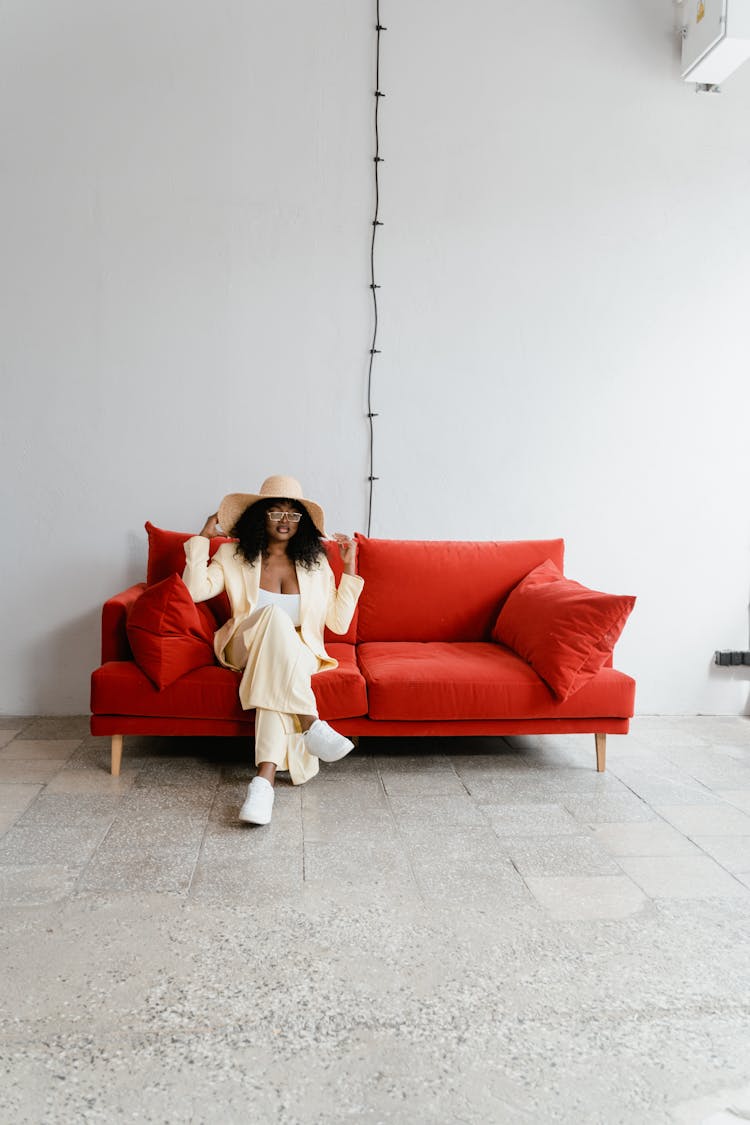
[(210, 528), (348, 551)]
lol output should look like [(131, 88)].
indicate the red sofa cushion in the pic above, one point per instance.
[(166, 555), (440, 591), (121, 688), (565, 631), (476, 680), (169, 634)]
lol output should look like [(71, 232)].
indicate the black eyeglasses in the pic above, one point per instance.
[(293, 517)]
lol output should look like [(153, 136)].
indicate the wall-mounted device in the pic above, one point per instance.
[(715, 39)]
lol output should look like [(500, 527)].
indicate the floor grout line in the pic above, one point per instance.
[(203, 833), (400, 838)]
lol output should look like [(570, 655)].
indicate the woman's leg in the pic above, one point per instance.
[(271, 753), (277, 664), (279, 746), (278, 667), (277, 677)]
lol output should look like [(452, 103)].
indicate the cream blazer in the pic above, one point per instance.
[(321, 603)]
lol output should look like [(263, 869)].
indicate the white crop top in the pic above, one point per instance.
[(288, 602)]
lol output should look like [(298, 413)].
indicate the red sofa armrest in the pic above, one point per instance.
[(114, 617)]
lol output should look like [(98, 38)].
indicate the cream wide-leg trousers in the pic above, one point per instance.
[(276, 668)]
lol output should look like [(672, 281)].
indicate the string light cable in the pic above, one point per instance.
[(374, 350)]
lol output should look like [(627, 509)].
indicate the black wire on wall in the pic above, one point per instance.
[(377, 161)]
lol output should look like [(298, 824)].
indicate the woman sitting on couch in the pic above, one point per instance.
[(282, 593)]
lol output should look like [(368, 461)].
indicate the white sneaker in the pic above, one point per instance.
[(326, 743), (258, 804)]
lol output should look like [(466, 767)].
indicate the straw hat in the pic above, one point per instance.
[(273, 488)]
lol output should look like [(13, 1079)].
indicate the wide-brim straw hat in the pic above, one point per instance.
[(273, 488)]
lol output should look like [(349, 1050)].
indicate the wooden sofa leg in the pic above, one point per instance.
[(116, 754), (355, 739), (601, 752)]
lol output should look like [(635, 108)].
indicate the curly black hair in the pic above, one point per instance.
[(304, 547)]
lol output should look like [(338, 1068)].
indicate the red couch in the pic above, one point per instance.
[(419, 657)]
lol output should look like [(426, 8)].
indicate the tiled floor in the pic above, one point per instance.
[(473, 931)]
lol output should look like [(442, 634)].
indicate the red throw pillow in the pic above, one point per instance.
[(168, 633), (565, 631)]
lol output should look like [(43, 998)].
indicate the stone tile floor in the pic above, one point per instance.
[(432, 931)]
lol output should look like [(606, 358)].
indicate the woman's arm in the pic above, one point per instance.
[(343, 602), (204, 580)]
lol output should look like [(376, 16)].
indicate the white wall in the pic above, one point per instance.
[(186, 193)]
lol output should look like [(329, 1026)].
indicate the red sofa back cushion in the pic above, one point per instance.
[(441, 590), (166, 556)]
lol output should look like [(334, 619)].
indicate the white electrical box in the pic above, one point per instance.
[(716, 39)]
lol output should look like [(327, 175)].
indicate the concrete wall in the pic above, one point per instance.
[(565, 267)]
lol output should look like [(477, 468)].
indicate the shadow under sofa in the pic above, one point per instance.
[(417, 660)]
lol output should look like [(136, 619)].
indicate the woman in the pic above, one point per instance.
[(282, 593)]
